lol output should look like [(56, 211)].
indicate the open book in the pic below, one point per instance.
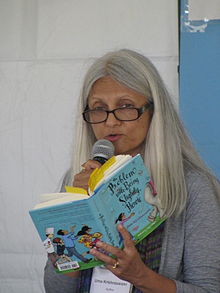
[(70, 224)]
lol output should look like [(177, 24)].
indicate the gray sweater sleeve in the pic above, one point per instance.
[(201, 252), (56, 283)]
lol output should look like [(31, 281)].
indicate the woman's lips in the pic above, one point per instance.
[(113, 137)]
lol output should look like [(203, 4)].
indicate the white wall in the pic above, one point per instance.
[(46, 46)]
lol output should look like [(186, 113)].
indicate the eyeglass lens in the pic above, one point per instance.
[(120, 114)]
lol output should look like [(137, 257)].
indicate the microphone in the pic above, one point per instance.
[(102, 150)]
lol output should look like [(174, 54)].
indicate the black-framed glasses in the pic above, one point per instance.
[(123, 114)]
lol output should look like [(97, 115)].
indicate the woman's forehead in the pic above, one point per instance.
[(107, 87)]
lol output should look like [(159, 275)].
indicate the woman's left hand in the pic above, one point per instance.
[(127, 265)]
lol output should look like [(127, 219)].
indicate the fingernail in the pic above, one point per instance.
[(92, 251), (99, 243)]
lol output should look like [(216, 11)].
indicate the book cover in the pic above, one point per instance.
[(70, 229)]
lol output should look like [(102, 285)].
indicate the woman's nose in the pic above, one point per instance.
[(112, 120)]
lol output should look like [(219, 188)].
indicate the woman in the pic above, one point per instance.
[(125, 101)]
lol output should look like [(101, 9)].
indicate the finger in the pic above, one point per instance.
[(91, 165), (113, 267), (109, 248), (108, 260), (81, 180), (128, 242), (84, 174)]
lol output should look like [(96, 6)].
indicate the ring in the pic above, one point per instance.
[(115, 265)]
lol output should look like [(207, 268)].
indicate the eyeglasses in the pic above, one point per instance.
[(122, 114)]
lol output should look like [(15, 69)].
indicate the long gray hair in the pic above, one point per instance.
[(169, 154)]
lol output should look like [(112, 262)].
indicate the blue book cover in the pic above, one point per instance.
[(69, 230)]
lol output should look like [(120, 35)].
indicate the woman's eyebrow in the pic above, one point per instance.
[(118, 97)]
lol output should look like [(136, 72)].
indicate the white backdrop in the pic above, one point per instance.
[(46, 46)]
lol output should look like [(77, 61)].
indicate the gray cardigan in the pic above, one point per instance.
[(190, 250)]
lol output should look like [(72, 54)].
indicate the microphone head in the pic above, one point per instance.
[(102, 150)]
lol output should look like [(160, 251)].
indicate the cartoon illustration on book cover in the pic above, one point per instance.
[(123, 219), (49, 233), (150, 196), (64, 246), (69, 239), (88, 239)]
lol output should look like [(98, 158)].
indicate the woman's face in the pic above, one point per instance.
[(127, 136)]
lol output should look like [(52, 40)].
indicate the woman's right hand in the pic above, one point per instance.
[(81, 179)]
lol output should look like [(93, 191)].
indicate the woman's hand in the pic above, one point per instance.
[(128, 264), (81, 179)]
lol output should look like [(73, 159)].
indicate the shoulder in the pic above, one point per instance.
[(202, 201), (199, 188)]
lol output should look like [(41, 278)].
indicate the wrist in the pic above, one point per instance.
[(149, 281), (142, 277)]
